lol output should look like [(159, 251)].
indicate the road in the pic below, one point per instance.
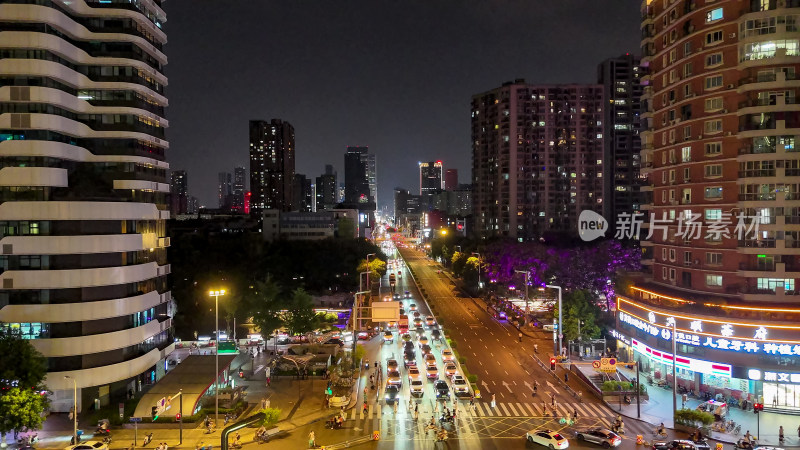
[(493, 353)]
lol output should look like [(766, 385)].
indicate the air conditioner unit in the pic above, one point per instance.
[(728, 133), (700, 136), (730, 86), (678, 120), (732, 35), (672, 122), (724, 111)]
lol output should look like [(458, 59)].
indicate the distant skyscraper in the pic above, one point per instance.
[(327, 190), (430, 177), (537, 158), (84, 203), (620, 78), (356, 179), (239, 188), (272, 155), (179, 192), (224, 190), (450, 179), (303, 198), (193, 205)]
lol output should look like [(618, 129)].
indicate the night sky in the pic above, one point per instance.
[(397, 76)]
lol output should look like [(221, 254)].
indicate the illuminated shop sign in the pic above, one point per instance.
[(773, 377), (706, 332), (681, 362)]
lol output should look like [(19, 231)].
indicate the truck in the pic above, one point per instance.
[(402, 324), (392, 281)]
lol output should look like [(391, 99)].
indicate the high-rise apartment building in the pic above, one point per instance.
[(272, 155), (450, 179), (224, 190), (720, 102), (303, 194), (431, 177), (356, 176), (327, 191), (621, 81), (179, 192), (84, 178), (537, 158), (239, 188)]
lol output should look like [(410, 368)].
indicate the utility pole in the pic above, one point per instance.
[(674, 379), (527, 276), (638, 389)]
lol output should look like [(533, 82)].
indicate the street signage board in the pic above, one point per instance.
[(385, 311), (608, 364), (135, 419)]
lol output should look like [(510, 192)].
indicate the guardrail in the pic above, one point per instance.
[(349, 443), (555, 377)]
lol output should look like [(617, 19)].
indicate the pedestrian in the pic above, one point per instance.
[(780, 434), (683, 400), (494, 404), (376, 364), (312, 439), (536, 348), (395, 406), (798, 431), (365, 407), (365, 393), (544, 408), (371, 380), (580, 396), (574, 415), (416, 415), (520, 337), (410, 404), (552, 400), (566, 377)]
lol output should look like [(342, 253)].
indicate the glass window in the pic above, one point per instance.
[(713, 280), (714, 59), (713, 126), (772, 283), (714, 82), (713, 170), (713, 192), (713, 258), (714, 37), (713, 15), (713, 104), (713, 214), (713, 148)]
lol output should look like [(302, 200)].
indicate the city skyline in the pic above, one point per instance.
[(340, 106)]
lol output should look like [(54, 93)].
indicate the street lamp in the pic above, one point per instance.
[(560, 316), (74, 409), (527, 277), (216, 295), (479, 269)]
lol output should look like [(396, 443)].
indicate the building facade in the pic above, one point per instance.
[(356, 176), (621, 81), (327, 189), (718, 151), (537, 158), (450, 179), (83, 245), (431, 177), (224, 190), (239, 188), (303, 194), (179, 192), (272, 162)]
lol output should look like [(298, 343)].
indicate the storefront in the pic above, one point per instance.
[(728, 356)]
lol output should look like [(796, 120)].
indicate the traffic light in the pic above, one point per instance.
[(757, 407), (553, 363), (154, 412), (178, 417)]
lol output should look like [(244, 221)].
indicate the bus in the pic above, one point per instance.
[(497, 314)]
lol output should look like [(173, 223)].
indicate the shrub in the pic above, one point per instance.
[(693, 417), (453, 344), (462, 359), (473, 379)]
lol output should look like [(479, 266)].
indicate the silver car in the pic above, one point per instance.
[(599, 436)]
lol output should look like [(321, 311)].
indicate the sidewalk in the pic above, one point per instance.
[(659, 409)]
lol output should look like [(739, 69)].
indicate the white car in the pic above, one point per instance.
[(548, 438), (417, 388), (460, 385), (447, 355), (88, 445)]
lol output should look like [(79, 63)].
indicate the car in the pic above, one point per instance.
[(335, 341), (391, 364), (392, 325), (426, 350), (418, 324), (408, 345), (429, 358), (679, 444), (88, 445), (423, 340), (432, 372), (436, 335), (442, 390), (408, 294), (400, 303), (447, 355), (410, 359), (397, 297), (391, 393), (600, 436), (417, 388), (388, 336), (416, 314), (363, 335), (430, 321), (450, 368), (548, 438), (402, 311), (420, 331), (414, 374), (399, 274), (460, 385), (406, 337), (393, 378), (413, 306)]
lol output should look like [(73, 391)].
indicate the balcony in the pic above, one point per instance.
[(749, 150), (759, 243), (757, 173)]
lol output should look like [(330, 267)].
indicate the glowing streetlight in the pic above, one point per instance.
[(216, 294)]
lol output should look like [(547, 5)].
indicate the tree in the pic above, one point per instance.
[(376, 269), (265, 306), (580, 313), (23, 366), (300, 316), (20, 408), (271, 417), (459, 261)]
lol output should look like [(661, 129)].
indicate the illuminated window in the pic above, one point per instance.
[(713, 280), (713, 15), (773, 283), (713, 192)]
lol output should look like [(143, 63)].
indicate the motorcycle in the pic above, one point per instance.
[(743, 444)]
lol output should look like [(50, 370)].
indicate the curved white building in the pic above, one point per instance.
[(83, 191)]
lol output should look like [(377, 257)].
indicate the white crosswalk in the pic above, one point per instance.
[(484, 409)]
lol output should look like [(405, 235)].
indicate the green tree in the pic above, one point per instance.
[(580, 309), (265, 307), (23, 366), (300, 317), (459, 261), (21, 407), (376, 269)]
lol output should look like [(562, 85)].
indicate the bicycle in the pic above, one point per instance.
[(660, 433)]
